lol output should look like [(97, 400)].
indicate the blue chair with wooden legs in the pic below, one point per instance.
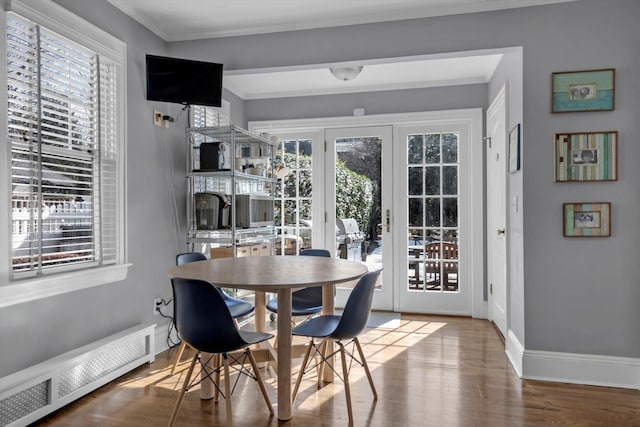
[(205, 324), (237, 307), (340, 329), (307, 301)]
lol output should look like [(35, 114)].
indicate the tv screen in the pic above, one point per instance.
[(184, 81)]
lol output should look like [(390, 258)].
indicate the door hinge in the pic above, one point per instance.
[(487, 139), (491, 288), (325, 146)]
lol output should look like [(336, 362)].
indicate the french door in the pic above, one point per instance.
[(426, 218), (358, 190), (433, 215)]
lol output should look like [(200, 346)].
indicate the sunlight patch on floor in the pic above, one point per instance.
[(379, 345), (389, 339)]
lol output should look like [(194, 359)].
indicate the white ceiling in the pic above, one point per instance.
[(198, 19), (401, 73), (175, 20)]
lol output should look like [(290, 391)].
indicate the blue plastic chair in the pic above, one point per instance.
[(341, 328), (237, 307), (307, 301), (205, 323)]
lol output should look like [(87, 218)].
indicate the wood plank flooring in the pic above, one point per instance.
[(430, 371)]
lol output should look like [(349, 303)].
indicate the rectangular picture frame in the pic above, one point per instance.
[(587, 219), (589, 90), (586, 156), (514, 150)]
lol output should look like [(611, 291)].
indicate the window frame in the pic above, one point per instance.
[(61, 21)]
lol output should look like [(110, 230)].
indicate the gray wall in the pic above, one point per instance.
[(579, 295)]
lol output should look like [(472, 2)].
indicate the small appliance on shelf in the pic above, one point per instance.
[(212, 211)]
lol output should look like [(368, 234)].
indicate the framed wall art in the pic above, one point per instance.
[(514, 150), (586, 156), (591, 90), (587, 219)]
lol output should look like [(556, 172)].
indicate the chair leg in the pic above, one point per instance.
[(174, 414), (216, 375), (323, 361), (366, 368), (183, 345), (302, 368), (345, 373), (256, 371), (227, 388)]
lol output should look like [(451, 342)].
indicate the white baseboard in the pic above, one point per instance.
[(161, 339), (574, 368), (514, 350), (589, 369)]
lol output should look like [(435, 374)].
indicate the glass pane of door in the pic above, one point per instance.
[(432, 206), (356, 203), (293, 197)]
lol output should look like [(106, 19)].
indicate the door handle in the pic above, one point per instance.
[(388, 220), (500, 231)]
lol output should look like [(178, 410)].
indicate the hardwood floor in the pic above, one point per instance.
[(429, 371)]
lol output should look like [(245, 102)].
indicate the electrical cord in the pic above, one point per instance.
[(171, 343)]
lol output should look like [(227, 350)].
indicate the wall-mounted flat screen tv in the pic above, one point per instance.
[(184, 81)]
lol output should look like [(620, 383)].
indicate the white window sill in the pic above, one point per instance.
[(48, 286)]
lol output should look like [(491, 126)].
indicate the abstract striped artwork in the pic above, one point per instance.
[(588, 156), (587, 219)]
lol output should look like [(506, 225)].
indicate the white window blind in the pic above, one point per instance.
[(205, 116), (62, 133)]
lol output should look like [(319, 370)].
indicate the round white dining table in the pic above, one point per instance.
[(281, 275)]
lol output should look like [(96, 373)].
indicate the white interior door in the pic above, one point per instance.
[(355, 156), (496, 160)]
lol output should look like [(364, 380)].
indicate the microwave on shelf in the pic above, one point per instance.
[(254, 210)]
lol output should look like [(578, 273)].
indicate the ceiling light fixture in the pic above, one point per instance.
[(346, 73)]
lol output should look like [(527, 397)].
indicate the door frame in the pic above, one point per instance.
[(473, 117)]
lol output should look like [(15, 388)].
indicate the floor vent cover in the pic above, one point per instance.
[(24, 403), (28, 395)]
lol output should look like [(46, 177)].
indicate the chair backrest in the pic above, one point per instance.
[(444, 250), (450, 257), (356, 310), (316, 252), (202, 317), (441, 254), (313, 294), (449, 250), (187, 257)]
